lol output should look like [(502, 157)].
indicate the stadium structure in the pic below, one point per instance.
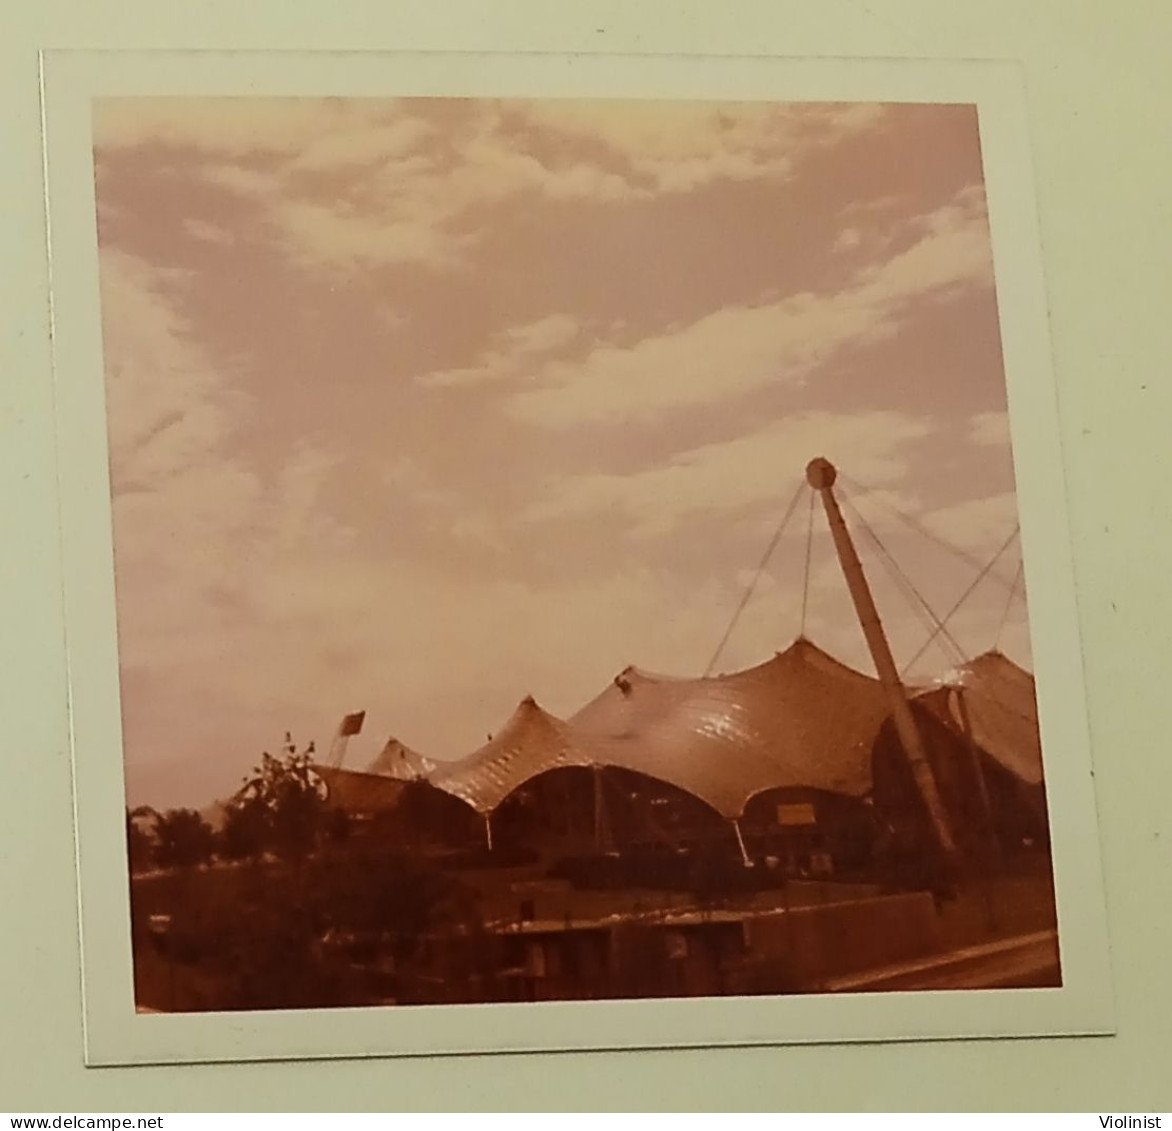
[(799, 762)]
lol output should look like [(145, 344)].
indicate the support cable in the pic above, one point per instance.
[(1017, 579), (793, 506), (911, 594), (806, 572), (919, 527), (968, 592)]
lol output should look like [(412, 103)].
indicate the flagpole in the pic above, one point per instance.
[(349, 726)]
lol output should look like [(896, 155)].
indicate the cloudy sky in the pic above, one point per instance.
[(424, 406)]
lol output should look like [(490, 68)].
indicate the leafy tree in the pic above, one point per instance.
[(382, 894), (183, 839), (276, 936), (244, 835), (140, 844), (281, 807)]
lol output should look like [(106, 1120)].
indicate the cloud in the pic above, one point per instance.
[(739, 349), (179, 499), (440, 507), (847, 240), (348, 184), (364, 144), (730, 351), (509, 353), (254, 184), (350, 187), (336, 233), (989, 429), (548, 333), (670, 148), (193, 520), (953, 250), (624, 147), (316, 234), (208, 233), (168, 402), (976, 524), (496, 161), (300, 516), (962, 536), (302, 129), (750, 471)]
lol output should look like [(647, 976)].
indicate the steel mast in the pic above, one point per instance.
[(821, 474)]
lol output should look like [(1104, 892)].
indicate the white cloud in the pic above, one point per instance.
[(193, 521), (438, 506), (847, 240), (510, 353), (364, 144), (178, 498), (976, 524), (495, 163), (338, 233), (549, 333), (739, 349), (250, 125), (754, 470), (989, 428), (245, 181), (168, 403), (324, 234), (680, 147), (205, 232), (731, 351), (417, 178), (953, 249)]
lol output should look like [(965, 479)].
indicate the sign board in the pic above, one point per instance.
[(797, 813)]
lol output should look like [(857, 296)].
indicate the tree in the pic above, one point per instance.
[(140, 845), (281, 807), (183, 839), (378, 893), (245, 833)]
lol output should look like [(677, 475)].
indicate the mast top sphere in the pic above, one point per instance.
[(821, 473)]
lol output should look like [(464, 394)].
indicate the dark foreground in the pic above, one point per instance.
[(359, 929)]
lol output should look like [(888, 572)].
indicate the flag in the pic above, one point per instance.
[(352, 724)]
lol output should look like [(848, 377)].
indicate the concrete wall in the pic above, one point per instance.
[(809, 944)]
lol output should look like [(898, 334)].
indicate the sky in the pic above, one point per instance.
[(423, 406)]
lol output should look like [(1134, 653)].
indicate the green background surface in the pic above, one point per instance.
[(1099, 91)]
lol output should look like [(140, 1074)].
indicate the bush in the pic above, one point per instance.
[(289, 935), (183, 839)]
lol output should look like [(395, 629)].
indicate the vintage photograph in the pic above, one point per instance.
[(565, 550)]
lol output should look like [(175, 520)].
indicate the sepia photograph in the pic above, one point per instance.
[(564, 550), (562, 554)]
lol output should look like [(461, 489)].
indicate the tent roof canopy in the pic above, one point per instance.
[(1002, 709), (801, 718), (398, 761), (530, 743)]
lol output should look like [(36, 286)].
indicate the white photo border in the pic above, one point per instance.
[(114, 1032)]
